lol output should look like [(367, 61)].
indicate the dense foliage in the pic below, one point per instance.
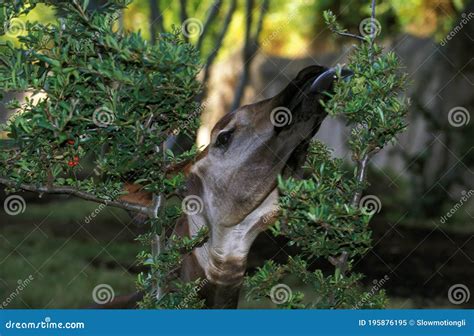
[(99, 101), (324, 215)]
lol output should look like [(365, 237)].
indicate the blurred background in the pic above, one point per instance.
[(54, 253)]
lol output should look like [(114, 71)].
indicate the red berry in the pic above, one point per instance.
[(76, 158), (71, 164), (71, 142)]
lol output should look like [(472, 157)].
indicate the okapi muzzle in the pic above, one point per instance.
[(235, 179)]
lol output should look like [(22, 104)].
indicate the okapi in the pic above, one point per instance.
[(235, 177)]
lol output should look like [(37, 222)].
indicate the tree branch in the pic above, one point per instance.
[(183, 15), (362, 166), (78, 193), (213, 11), (156, 20), (372, 32), (348, 34), (364, 162), (218, 44), (250, 49)]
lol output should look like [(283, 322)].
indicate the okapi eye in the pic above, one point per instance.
[(223, 138)]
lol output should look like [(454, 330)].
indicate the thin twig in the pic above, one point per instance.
[(78, 193), (348, 34), (362, 166)]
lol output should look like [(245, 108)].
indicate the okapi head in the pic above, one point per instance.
[(235, 180)]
